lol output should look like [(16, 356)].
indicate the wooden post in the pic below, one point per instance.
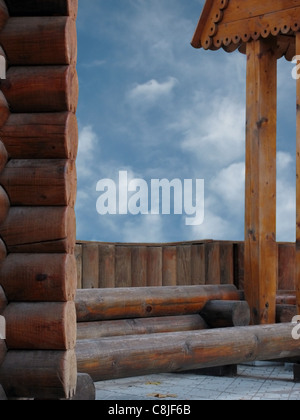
[(298, 185), (260, 217)]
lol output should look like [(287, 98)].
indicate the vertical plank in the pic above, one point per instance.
[(78, 256), (107, 274), (90, 266), (298, 184), (239, 256), (169, 266), (198, 264), (184, 267), (286, 266), (212, 257), (123, 266), (260, 210), (154, 267), (139, 262), (226, 263)]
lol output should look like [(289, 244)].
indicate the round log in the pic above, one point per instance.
[(4, 110), (39, 277), (39, 374), (145, 302), (41, 41), (286, 297), (41, 326), (119, 357), (40, 230), (3, 156), (4, 205), (27, 89), (3, 351), (285, 313), (3, 300), (41, 136), (85, 389), (4, 15), (40, 182), (43, 8), (222, 314), (139, 326), (3, 251)]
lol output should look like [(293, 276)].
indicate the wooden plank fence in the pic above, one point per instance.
[(103, 265)]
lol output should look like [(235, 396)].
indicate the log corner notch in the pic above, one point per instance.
[(264, 31), (40, 136)]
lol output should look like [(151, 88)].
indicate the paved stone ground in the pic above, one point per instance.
[(258, 382)]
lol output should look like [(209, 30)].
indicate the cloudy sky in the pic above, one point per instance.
[(155, 107)]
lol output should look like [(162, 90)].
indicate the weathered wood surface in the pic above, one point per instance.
[(40, 182), (285, 313), (39, 277), (40, 230), (40, 41), (107, 269), (261, 264), (41, 136), (287, 297), (43, 8), (85, 388), (3, 251), (39, 374), (286, 266), (139, 326), (3, 156), (41, 326), (4, 110), (4, 205), (109, 304), (169, 268), (90, 264), (3, 351), (221, 314), (4, 15), (3, 396), (3, 300), (139, 266), (27, 89), (111, 358)]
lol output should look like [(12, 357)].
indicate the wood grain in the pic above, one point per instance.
[(39, 277), (90, 266), (41, 326), (145, 302), (39, 374), (107, 266), (41, 136)]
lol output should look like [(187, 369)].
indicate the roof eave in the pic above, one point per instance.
[(196, 41)]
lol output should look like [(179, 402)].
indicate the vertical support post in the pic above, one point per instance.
[(260, 211), (298, 185)]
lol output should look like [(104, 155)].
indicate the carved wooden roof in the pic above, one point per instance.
[(229, 24)]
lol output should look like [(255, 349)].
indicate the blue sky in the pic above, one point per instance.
[(153, 106)]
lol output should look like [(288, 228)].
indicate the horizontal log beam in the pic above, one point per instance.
[(4, 110), (134, 356), (41, 136), (109, 304), (40, 182), (42, 8), (287, 298), (41, 326), (40, 41), (4, 15), (39, 277), (27, 89), (40, 230), (3, 156), (139, 326), (3, 300), (39, 374), (4, 205)]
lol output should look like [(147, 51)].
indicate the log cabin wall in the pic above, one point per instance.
[(41, 138), (107, 265)]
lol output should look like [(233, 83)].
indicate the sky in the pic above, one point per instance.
[(153, 106)]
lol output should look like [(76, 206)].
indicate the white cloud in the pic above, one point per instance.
[(152, 90), (144, 229), (88, 147)]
